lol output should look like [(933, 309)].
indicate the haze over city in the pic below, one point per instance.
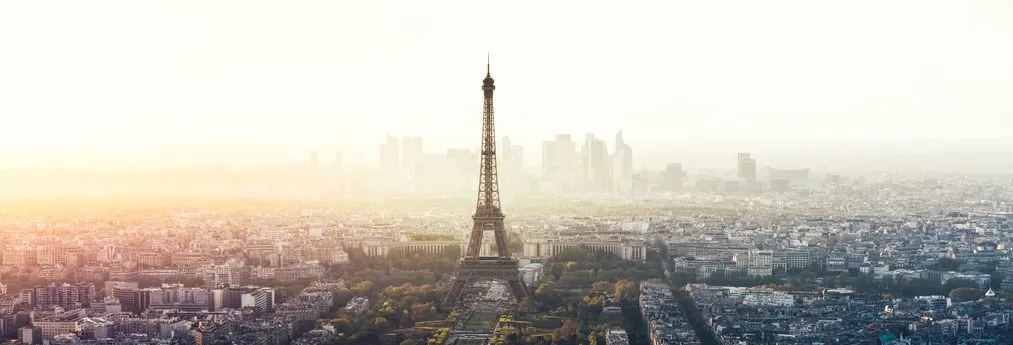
[(157, 83), (640, 173)]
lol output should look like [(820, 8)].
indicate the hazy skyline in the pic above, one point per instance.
[(186, 76)]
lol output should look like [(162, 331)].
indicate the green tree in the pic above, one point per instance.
[(547, 296), (364, 287), (957, 283), (602, 287), (946, 264), (341, 325), (967, 294), (565, 332), (625, 290)]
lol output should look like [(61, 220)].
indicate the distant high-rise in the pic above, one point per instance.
[(313, 157), (559, 162), (585, 158), (511, 162), (517, 165), (673, 177), (596, 167), (784, 179), (411, 157), (622, 165), (459, 169), (746, 168), (505, 151), (389, 158)]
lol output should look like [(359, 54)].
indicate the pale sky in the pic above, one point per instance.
[(289, 76)]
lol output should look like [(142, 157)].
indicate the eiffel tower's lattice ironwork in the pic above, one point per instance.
[(488, 217)]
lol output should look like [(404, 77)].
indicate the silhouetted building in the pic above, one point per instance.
[(622, 160), (595, 164), (559, 162), (411, 158), (786, 179), (511, 163), (389, 156), (746, 167), (674, 177)]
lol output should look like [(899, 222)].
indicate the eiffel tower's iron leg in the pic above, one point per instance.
[(457, 286), (519, 289)]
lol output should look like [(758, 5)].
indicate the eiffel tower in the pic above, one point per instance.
[(488, 217)]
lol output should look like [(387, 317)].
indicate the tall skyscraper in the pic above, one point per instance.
[(511, 163), (411, 156), (459, 169), (674, 176), (517, 157), (746, 167), (506, 159), (339, 159), (622, 165), (389, 157), (505, 150), (313, 157), (596, 167), (560, 165), (585, 159)]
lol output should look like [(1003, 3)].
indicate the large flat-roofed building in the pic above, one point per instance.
[(628, 250), (760, 263), (709, 249), (63, 295), (175, 297), (382, 248), (61, 323), (259, 298), (791, 258)]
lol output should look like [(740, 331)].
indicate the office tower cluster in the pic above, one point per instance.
[(570, 165), (404, 167), (777, 180), (565, 169)]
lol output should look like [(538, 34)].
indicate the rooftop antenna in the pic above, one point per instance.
[(488, 71)]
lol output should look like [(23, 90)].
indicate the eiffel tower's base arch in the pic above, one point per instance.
[(470, 271)]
